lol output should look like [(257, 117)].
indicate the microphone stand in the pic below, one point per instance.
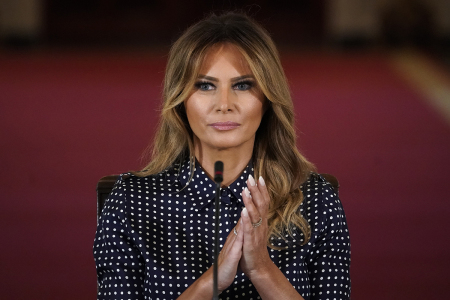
[(218, 178)]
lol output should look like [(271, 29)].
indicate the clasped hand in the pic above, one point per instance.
[(246, 246)]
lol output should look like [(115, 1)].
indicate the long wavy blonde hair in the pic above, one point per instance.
[(275, 155)]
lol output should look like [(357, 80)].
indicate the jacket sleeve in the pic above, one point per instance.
[(329, 259), (120, 267)]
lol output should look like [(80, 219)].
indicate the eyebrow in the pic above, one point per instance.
[(232, 79)]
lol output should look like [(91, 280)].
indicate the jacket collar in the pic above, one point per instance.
[(201, 190)]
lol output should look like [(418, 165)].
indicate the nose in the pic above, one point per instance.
[(224, 102)]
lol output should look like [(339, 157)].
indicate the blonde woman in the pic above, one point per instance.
[(283, 233)]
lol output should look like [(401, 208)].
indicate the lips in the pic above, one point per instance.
[(225, 125)]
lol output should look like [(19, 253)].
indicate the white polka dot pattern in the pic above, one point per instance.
[(155, 238)]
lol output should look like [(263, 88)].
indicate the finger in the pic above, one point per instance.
[(234, 247), (239, 240), (230, 239), (264, 192), (238, 225), (228, 247), (228, 261), (246, 227), (258, 198), (249, 204)]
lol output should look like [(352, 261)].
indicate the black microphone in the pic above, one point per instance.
[(218, 171), (218, 178)]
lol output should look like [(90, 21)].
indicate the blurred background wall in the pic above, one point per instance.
[(21, 20), (80, 86), (389, 21), (158, 22)]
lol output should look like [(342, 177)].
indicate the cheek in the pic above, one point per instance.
[(256, 111), (194, 112)]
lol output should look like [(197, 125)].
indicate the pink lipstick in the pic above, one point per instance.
[(225, 125)]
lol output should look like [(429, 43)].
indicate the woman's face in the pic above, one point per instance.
[(226, 105)]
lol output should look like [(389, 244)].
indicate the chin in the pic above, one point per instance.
[(227, 144)]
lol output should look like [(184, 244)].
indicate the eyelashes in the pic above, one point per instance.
[(242, 85), (204, 85)]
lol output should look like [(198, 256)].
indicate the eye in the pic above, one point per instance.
[(243, 85), (204, 86)]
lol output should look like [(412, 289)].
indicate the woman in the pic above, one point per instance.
[(283, 231)]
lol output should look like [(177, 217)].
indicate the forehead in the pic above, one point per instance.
[(224, 55)]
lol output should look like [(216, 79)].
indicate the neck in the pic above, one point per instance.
[(234, 161)]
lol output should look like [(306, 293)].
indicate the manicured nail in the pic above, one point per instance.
[(261, 181), (251, 180), (247, 192), (245, 212)]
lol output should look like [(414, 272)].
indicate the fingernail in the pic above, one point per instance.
[(247, 192), (261, 181), (251, 180), (245, 212)]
